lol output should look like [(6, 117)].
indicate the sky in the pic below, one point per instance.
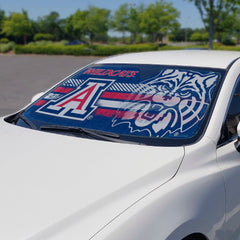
[(189, 16)]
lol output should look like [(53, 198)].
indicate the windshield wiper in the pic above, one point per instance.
[(108, 136), (16, 117)]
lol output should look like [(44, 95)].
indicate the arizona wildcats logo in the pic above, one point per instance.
[(80, 103)]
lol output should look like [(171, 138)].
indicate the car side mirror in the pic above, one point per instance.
[(237, 144), (36, 96)]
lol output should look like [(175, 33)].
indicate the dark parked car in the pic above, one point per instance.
[(76, 42)]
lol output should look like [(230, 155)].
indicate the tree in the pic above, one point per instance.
[(2, 18), (158, 19), (181, 34), (70, 31), (51, 24), (213, 12), (134, 20), (121, 18), (127, 19), (77, 23), (97, 21), (92, 22), (228, 31), (17, 25), (236, 25)]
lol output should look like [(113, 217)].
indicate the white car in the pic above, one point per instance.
[(139, 146)]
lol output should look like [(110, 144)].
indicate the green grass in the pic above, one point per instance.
[(226, 48)]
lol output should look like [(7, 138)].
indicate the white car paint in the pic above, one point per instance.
[(58, 187), (61, 182), (203, 58)]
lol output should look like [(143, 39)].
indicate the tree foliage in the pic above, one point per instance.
[(17, 25), (134, 21), (181, 34), (51, 24), (235, 25), (2, 18), (97, 21), (155, 20), (92, 22), (69, 29), (159, 18), (214, 12), (121, 18), (77, 21), (137, 23)]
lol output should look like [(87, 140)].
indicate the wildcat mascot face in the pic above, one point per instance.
[(172, 102)]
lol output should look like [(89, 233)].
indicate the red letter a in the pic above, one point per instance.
[(79, 100)]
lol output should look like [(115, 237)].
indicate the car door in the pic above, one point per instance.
[(229, 161)]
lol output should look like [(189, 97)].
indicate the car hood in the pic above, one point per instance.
[(60, 187)]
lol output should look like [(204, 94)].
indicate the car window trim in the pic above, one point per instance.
[(225, 116)]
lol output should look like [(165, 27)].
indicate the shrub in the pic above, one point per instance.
[(40, 43), (6, 47), (53, 49), (112, 49), (63, 42), (43, 36), (82, 50), (171, 47), (199, 37), (4, 40), (228, 42), (226, 48)]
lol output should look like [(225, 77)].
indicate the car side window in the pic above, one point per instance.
[(229, 129)]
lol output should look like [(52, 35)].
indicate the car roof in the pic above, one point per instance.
[(194, 58)]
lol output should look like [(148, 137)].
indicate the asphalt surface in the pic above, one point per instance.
[(23, 76)]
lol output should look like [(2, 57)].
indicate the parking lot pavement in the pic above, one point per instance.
[(22, 76)]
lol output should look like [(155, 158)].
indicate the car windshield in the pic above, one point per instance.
[(149, 104)]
